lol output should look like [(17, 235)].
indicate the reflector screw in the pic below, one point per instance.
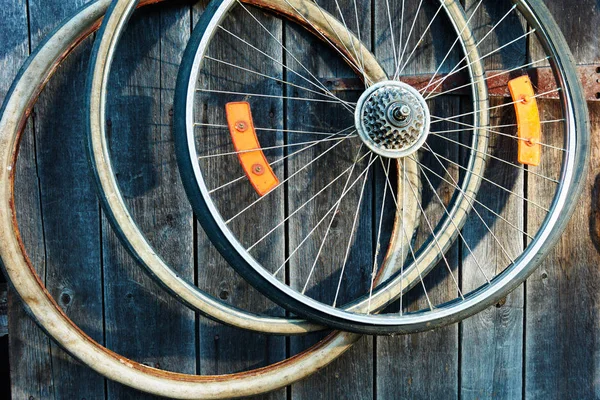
[(258, 169), (241, 126)]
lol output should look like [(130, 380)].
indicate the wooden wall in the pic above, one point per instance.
[(541, 343)]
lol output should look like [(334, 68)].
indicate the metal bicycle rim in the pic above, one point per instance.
[(574, 166), (236, 254), (133, 239)]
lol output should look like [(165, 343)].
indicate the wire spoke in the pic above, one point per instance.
[(230, 153), (316, 83), (435, 239), (470, 199), (487, 180), (314, 78), (474, 128), (453, 223), (388, 182), (408, 241), (439, 68), (305, 204), (396, 73), (440, 119), (270, 96), (412, 251), (333, 216), (487, 78), (355, 56), (454, 69), (389, 14), (420, 39), (360, 40), (457, 70), (324, 37), (457, 187), (519, 167), (350, 37), (274, 162), (287, 179), (386, 170), (329, 134), (403, 227), (352, 232), (271, 78)]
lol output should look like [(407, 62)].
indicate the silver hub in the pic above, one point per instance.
[(392, 119)]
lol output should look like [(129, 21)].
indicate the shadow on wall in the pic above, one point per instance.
[(4, 366)]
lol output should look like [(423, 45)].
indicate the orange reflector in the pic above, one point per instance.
[(528, 120), (243, 134)]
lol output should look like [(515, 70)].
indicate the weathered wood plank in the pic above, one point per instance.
[(492, 341), (144, 322), (562, 296), (69, 211), (351, 377), (407, 365), (29, 348), (224, 349), (3, 309)]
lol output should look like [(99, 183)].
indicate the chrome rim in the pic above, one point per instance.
[(443, 232)]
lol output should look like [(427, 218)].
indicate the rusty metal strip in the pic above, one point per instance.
[(497, 81)]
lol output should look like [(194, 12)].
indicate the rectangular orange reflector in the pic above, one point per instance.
[(528, 120), (243, 134)]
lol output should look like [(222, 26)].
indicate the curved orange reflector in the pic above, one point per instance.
[(243, 134), (528, 120)]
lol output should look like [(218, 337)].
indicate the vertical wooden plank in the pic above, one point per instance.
[(69, 211), (225, 349), (350, 377), (492, 341), (29, 352), (562, 353), (144, 322), (423, 365)]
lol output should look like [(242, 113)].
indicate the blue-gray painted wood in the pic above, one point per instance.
[(29, 346), (562, 296), (492, 341), (143, 322), (69, 211), (540, 343)]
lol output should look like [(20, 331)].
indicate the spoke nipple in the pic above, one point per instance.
[(241, 126)]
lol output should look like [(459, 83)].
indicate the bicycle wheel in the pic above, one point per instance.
[(393, 120), (43, 308), (133, 239)]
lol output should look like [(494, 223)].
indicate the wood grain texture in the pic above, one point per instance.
[(539, 343), (407, 365), (29, 355), (68, 209), (350, 377), (225, 349), (492, 341), (143, 322), (562, 297)]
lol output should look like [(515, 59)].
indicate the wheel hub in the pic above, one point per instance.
[(392, 119)]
